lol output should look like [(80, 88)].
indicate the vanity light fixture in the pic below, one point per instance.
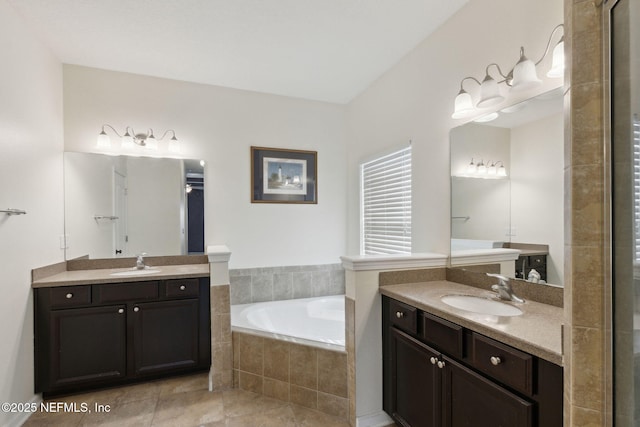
[(131, 139), (485, 170), (522, 76)]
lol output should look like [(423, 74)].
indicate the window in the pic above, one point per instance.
[(386, 204), (636, 186)]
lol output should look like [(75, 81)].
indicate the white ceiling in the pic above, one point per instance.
[(328, 50)]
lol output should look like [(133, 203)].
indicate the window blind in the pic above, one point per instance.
[(386, 204), (636, 186)]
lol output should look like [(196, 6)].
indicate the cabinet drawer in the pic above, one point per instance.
[(403, 316), (446, 336), (182, 288), (125, 292), (505, 364), (70, 296)]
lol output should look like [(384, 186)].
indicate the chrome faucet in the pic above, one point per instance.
[(140, 265), (503, 288)]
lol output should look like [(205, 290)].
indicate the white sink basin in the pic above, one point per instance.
[(481, 305), (136, 272)]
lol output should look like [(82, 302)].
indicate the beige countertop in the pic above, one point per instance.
[(90, 277), (538, 330)]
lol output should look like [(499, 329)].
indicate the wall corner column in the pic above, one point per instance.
[(221, 371)]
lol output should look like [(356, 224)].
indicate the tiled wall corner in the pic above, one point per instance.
[(307, 376), (281, 283), (221, 341), (585, 222)]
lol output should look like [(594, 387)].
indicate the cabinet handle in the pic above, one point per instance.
[(495, 360), (69, 295), (183, 287), (136, 309), (121, 310), (433, 360), (441, 364), (399, 314)]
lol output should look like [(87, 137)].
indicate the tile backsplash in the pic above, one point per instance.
[(280, 283)]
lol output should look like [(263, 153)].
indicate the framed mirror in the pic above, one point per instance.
[(507, 186), (120, 206)]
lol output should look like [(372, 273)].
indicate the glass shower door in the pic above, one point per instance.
[(624, 17)]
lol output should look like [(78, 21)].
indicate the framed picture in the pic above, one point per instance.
[(283, 176)]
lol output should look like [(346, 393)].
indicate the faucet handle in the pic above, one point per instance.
[(500, 277)]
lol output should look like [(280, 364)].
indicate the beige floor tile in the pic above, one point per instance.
[(312, 418), (279, 417), (129, 414), (188, 409), (61, 419), (183, 384), (240, 402)]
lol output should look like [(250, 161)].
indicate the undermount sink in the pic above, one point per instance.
[(481, 305), (135, 272)]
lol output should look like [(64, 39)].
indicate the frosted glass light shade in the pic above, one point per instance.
[(174, 145), (151, 142), (524, 75), (463, 105), (104, 142), (502, 171), (127, 140), (557, 63), (489, 93)]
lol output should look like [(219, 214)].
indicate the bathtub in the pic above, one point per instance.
[(317, 322)]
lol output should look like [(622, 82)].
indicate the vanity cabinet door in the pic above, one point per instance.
[(415, 382), (165, 335), (87, 345), (472, 400)]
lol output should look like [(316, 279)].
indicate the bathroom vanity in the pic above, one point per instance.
[(105, 327), (458, 371)]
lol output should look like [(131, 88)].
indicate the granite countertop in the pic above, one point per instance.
[(96, 276), (538, 330)]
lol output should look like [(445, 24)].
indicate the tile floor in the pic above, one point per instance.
[(183, 401)]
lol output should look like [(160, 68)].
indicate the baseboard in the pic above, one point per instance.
[(16, 419), (379, 419)]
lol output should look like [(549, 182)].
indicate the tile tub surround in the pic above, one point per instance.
[(306, 376), (289, 282)]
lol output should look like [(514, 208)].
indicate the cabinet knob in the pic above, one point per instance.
[(136, 309), (399, 314), (69, 295), (441, 364), (495, 360), (183, 287), (433, 360), (121, 310)]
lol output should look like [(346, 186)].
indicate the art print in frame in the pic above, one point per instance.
[(283, 176)]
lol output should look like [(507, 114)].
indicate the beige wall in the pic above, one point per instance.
[(30, 179)]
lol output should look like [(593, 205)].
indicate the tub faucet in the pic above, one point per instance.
[(140, 265), (503, 288)]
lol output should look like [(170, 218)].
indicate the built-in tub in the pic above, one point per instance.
[(318, 322)]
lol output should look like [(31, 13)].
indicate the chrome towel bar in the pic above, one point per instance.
[(11, 211)]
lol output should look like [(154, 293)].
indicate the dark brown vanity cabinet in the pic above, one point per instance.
[(437, 373), (89, 336)]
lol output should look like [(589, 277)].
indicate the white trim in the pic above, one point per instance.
[(379, 419), (393, 261), (218, 253), (483, 256), (16, 419)]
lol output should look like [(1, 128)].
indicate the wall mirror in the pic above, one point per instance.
[(120, 206), (507, 185)]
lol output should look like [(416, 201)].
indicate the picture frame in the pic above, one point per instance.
[(280, 175)]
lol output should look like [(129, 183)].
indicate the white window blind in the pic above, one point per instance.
[(636, 186), (386, 204)]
